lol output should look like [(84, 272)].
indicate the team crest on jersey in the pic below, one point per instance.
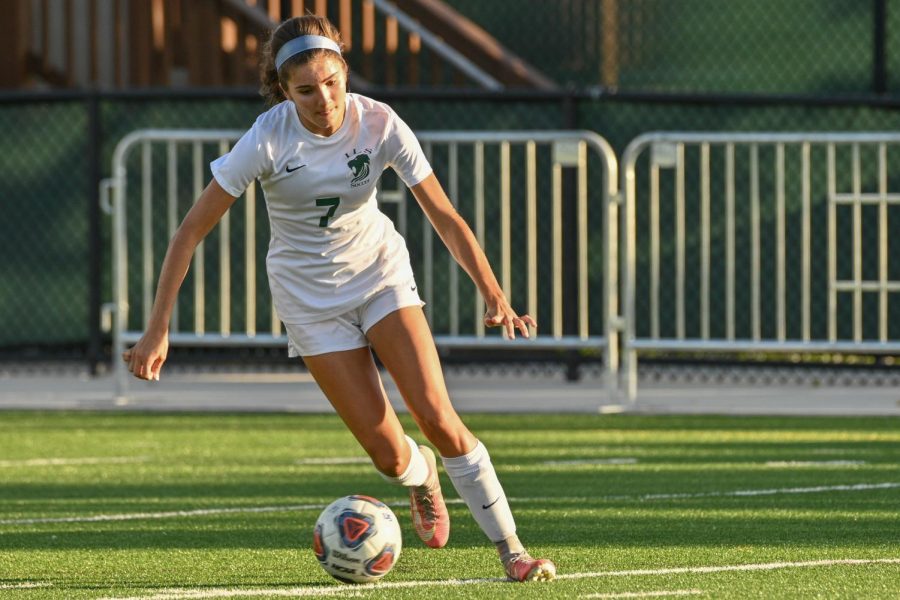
[(359, 166)]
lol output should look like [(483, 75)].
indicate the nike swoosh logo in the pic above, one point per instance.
[(487, 506), (290, 170)]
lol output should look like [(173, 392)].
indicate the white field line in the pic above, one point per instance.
[(657, 594), (857, 487), (202, 512), (25, 585), (172, 514), (338, 460), (815, 463), (55, 462), (592, 461), (633, 461), (727, 568), (343, 590), (335, 589)]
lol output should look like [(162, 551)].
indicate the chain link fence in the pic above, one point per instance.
[(44, 177), (43, 232), (702, 46)]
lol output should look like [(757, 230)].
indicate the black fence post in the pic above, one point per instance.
[(94, 132), (570, 245), (879, 47)]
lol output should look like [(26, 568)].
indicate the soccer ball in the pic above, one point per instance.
[(357, 539)]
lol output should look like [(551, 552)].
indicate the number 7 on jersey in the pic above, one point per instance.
[(333, 203)]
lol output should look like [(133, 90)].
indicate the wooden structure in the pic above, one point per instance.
[(112, 44)]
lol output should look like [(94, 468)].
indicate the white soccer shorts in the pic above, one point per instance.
[(348, 330)]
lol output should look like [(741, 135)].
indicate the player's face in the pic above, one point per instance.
[(319, 89)]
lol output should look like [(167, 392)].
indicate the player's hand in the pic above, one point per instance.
[(501, 314), (145, 359)]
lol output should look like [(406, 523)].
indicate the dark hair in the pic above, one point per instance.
[(270, 77)]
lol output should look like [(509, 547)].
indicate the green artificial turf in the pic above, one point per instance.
[(627, 506)]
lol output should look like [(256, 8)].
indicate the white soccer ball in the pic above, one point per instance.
[(357, 539)]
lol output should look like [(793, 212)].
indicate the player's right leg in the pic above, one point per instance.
[(350, 381), (352, 385)]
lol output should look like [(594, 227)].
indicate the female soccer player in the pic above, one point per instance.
[(341, 278)]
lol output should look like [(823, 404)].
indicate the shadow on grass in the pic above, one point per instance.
[(646, 525)]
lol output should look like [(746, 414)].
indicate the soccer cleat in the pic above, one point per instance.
[(429, 513), (521, 567)]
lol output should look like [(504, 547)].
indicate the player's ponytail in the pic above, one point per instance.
[(271, 77)]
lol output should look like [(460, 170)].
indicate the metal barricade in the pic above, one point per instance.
[(754, 242), (512, 187)]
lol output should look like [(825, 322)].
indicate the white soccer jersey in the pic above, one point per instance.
[(331, 247)]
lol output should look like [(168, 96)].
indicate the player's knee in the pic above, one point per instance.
[(387, 460), (441, 426)]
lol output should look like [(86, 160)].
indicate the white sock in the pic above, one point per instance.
[(475, 480), (417, 471)]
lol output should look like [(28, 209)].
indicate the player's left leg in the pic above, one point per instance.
[(403, 342)]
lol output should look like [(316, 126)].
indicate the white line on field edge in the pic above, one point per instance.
[(857, 487), (335, 460), (202, 512), (656, 594), (592, 461), (24, 585), (336, 589), (840, 451), (54, 462), (634, 461), (815, 463)]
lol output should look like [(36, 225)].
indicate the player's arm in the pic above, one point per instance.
[(459, 239), (147, 356)]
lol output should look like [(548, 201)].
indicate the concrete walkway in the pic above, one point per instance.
[(677, 391)]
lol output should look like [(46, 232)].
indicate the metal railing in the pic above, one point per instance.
[(786, 267), (514, 188)]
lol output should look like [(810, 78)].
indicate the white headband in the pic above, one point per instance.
[(302, 44)]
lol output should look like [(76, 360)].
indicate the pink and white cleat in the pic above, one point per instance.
[(429, 512), (521, 567)]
